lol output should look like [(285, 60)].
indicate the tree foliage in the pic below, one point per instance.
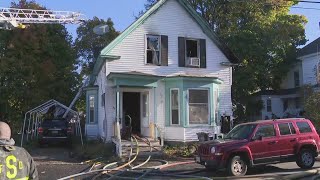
[(36, 64), (261, 33), (311, 107), (88, 44)]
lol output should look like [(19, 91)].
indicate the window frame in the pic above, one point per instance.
[(198, 47), (146, 49), (257, 129), (288, 124), (94, 109), (307, 124), (269, 100), (188, 106), (186, 60), (170, 107)]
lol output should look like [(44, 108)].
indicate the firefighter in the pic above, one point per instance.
[(15, 162)]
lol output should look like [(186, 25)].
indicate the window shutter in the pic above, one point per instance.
[(164, 50), (203, 54), (182, 51)]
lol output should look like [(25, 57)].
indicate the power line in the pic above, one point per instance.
[(278, 5), (297, 7), (303, 1)]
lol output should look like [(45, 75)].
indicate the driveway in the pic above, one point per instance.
[(54, 162)]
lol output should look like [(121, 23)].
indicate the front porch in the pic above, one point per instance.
[(136, 112)]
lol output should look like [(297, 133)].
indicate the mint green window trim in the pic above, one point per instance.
[(176, 108)]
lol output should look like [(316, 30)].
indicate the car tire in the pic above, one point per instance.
[(237, 166), (306, 159)]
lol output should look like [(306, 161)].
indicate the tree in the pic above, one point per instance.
[(36, 64), (88, 44), (261, 33)]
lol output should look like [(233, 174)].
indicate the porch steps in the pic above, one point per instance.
[(144, 149)]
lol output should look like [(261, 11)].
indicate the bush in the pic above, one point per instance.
[(186, 150)]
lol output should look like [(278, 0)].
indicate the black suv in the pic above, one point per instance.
[(54, 130)]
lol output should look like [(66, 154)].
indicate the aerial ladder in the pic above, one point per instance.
[(20, 18)]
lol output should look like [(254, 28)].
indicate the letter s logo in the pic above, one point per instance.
[(11, 166)]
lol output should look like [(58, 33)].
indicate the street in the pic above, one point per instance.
[(55, 162)]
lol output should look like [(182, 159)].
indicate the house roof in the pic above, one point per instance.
[(311, 48), (200, 21)]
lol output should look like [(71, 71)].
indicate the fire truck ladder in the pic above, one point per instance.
[(18, 18)]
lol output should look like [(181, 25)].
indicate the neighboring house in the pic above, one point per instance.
[(168, 72), (287, 102)]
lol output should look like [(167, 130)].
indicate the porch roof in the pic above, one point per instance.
[(134, 79)]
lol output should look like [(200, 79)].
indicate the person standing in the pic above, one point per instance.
[(15, 162)]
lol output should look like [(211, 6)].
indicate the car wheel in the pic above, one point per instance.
[(306, 159), (237, 166)]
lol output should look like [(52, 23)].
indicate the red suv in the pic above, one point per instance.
[(260, 143)]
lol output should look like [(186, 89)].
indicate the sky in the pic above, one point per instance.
[(123, 12)]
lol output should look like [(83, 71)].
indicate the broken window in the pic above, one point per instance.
[(198, 106), (153, 50)]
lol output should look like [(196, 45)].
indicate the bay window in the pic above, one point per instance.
[(198, 106)]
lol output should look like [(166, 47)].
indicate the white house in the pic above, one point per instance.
[(168, 72), (288, 101)]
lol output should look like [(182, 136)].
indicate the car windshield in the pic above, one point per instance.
[(241, 132)]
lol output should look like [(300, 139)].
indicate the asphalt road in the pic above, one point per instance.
[(55, 162)]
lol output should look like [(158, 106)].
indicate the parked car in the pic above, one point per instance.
[(54, 130), (260, 143)]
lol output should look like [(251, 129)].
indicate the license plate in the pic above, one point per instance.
[(197, 159), (54, 132)]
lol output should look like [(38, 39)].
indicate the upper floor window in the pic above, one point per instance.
[(153, 49), (157, 50), (192, 52), (269, 107), (296, 79)]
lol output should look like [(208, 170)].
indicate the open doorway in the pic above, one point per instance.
[(131, 107)]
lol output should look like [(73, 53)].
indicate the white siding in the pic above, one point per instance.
[(276, 106), (309, 71), (174, 134), (174, 21)]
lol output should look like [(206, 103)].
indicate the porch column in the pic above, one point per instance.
[(118, 121), (118, 112), (155, 113)]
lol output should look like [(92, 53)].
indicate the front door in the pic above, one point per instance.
[(144, 103)]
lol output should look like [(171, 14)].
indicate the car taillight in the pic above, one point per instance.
[(69, 130), (40, 130)]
